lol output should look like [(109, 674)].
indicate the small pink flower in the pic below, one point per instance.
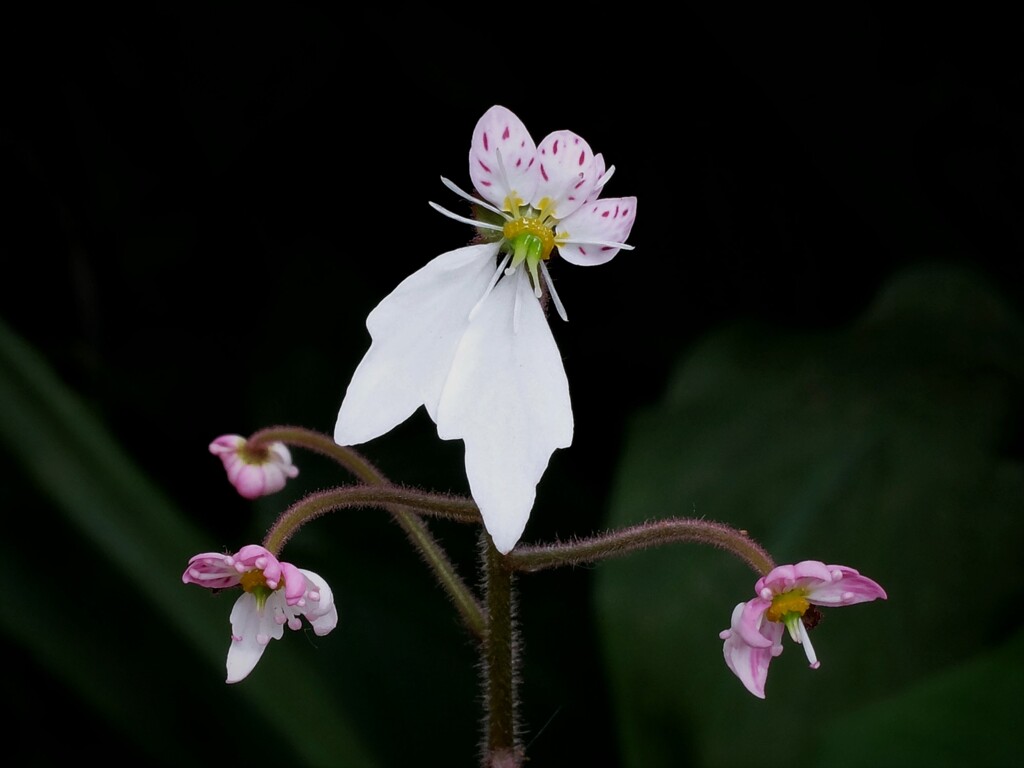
[(784, 600), (254, 471), (273, 594)]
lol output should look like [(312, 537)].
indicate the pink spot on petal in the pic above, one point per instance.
[(583, 251), (506, 134), (554, 149), (483, 165), (543, 172), (485, 182), (583, 156), (606, 248), (519, 162), (605, 214), (531, 162), (616, 210), (486, 145)]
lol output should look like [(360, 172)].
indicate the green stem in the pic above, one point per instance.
[(644, 536), (499, 657)]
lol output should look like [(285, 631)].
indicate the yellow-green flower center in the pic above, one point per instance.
[(788, 603), (540, 239), (255, 582)]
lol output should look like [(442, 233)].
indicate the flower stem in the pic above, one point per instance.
[(378, 492), (318, 442), (644, 536), (499, 662)]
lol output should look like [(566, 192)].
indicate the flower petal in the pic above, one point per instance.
[(251, 632), (749, 663), (319, 610), (601, 221), (567, 171), (213, 570), (512, 177), (507, 397), (415, 332), (847, 587)]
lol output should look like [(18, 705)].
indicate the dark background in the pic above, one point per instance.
[(203, 205)]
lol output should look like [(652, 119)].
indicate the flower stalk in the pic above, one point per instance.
[(500, 662), (528, 559), (404, 505)]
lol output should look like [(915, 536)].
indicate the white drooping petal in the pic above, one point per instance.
[(321, 612), (251, 632), (568, 173), (502, 158), (507, 397), (600, 221), (415, 332)]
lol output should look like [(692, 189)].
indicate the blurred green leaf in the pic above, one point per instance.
[(117, 633), (968, 715), (882, 446)]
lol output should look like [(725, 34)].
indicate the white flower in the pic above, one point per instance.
[(274, 594), (466, 336)]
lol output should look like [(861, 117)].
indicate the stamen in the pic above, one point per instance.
[(515, 311), (490, 286), (464, 219), (604, 178), (606, 243), (553, 293), (474, 200), (805, 641), (511, 199)]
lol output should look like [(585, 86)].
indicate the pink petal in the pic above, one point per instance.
[(294, 583), (500, 132), (847, 587), (226, 444), (747, 662), (567, 174), (608, 221), (213, 570)]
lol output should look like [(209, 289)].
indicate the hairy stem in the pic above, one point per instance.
[(400, 503), (643, 536), (499, 662)]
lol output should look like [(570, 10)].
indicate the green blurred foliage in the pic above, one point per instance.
[(882, 446)]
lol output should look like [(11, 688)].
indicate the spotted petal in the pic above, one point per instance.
[(507, 397), (568, 173), (415, 332), (501, 159), (583, 237)]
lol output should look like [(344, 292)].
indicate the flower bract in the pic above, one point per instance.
[(784, 601), (274, 594), (467, 337), (254, 470)]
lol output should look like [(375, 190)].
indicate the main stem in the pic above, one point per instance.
[(499, 655)]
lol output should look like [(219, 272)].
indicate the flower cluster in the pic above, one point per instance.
[(784, 600), (273, 594), (466, 335)]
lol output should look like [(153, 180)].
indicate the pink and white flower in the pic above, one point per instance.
[(273, 594), (254, 470), (466, 336), (784, 600)]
